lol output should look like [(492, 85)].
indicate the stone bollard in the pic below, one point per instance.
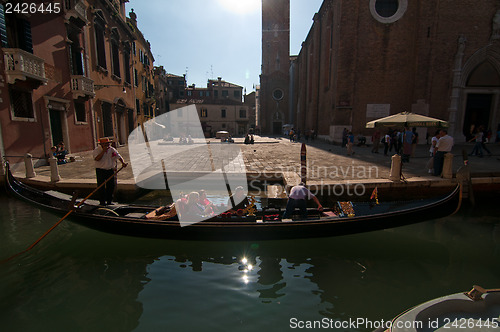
[(28, 164), (54, 170), (395, 174), (447, 166)]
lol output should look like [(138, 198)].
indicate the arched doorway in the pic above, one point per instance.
[(107, 120), (57, 109), (482, 92), (477, 113), (277, 123)]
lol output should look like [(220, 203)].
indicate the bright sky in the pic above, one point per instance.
[(212, 38)]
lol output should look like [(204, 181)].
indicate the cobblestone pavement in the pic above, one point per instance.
[(325, 162)]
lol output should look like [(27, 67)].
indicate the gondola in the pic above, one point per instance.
[(266, 224)]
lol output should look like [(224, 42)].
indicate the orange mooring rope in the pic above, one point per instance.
[(60, 220)]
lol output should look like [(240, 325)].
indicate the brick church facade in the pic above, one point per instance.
[(363, 60)]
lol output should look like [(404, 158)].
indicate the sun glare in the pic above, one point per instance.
[(240, 6)]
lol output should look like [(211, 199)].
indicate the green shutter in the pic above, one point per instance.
[(26, 42), (3, 28)]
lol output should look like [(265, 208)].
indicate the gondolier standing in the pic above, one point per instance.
[(105, 157)]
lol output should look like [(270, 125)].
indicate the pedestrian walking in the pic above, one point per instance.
[(393, 143), (291, 133), (477, 150), (375, 141), (350, 143), (432, 150), (345, 134), (407, 145), (414, 142), (486, 138), (387, 142), (443, 146)]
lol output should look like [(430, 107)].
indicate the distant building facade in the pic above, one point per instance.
[(217, 91), (231, 117), (111, 42), (145, 102), (176, 87), (219, 106), (250, 100), (161, 90)]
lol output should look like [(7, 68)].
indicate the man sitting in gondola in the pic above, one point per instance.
[(298, 199), (238, 201), (187, 206)]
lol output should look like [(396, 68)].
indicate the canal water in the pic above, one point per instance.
[(79, 279)]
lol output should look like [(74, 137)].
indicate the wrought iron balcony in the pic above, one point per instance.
[(22, 65), (82, 86)]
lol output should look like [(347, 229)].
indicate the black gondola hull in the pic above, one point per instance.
[(239, 229)]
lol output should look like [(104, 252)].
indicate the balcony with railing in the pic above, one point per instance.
[(22, 65), (82, 86)]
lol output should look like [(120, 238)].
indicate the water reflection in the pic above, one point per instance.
[(270, 275), (80, 279)]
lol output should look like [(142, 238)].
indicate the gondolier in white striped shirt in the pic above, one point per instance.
[(105, 157), (298, 199)]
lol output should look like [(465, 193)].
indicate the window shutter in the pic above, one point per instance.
[(27, 43), (82, 59), (3, 28)]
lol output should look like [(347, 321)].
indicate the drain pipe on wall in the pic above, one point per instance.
[(43, 130), (2, 153)]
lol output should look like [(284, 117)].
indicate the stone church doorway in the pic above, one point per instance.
[(481, 104), (277, 128), (477, 113)]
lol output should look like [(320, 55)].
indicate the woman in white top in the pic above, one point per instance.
[(430, 163), (434, 141)]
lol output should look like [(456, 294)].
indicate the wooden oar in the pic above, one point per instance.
[(303, 164), (60, 220)]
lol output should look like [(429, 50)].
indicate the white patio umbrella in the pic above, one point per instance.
[(407, 119)]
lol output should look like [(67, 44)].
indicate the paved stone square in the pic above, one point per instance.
[(276, 155)]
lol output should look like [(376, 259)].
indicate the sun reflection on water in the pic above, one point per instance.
[(245, 267)]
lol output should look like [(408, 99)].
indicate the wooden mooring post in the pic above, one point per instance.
[(464, 179)]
